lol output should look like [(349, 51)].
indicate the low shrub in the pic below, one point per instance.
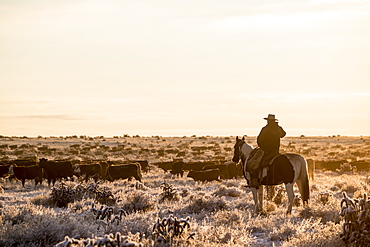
[(206, 203), (346, 168), (224, 191), (138, 201), (228, 218), (324, 214), (30, 225), (63, 194)]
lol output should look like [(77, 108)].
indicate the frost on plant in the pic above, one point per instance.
[(63, 194)]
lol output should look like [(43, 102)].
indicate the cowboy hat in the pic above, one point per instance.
[(271, 117)]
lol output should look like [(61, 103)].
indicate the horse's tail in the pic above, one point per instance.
[(305, 184)]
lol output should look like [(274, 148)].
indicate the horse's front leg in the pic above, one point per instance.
[(258, 198), (290, 192), (255, 199)]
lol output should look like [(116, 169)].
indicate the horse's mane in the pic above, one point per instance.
[(250, 146)]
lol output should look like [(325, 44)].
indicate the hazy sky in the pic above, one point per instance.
[(184, 67)]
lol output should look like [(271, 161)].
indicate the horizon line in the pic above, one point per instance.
[(180, 136)]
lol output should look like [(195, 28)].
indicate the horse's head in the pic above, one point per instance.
[(237, 149)]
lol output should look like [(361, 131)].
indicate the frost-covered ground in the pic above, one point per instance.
[(219, 213)]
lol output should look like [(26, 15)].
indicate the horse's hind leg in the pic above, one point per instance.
[(270, 192), (290, 192)]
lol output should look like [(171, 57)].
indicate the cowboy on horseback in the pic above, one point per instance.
[(268, 141), (288, 168)]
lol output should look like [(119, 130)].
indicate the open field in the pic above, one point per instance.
[(217, 213)]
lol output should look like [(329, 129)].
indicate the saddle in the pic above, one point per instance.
[(254, 159)]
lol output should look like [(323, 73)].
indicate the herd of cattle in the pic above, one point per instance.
[(57, 170), (109, 170), (53, 170)]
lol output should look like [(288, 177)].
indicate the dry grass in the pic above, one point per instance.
[(220, 213)]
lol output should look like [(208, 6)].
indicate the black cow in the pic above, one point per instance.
[(311, 168), (177, 168), (27, 172), (329, 165), (165, 166), (207, 175), (25, 162), (361, 165), (233, 170), (104, 169), (124, 171), (223, 170), (89, 170), (54, 170), (198, 166)]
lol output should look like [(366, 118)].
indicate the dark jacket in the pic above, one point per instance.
[(269, 137)]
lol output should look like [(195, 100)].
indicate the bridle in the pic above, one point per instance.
[(238, 155), (238, 150)]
